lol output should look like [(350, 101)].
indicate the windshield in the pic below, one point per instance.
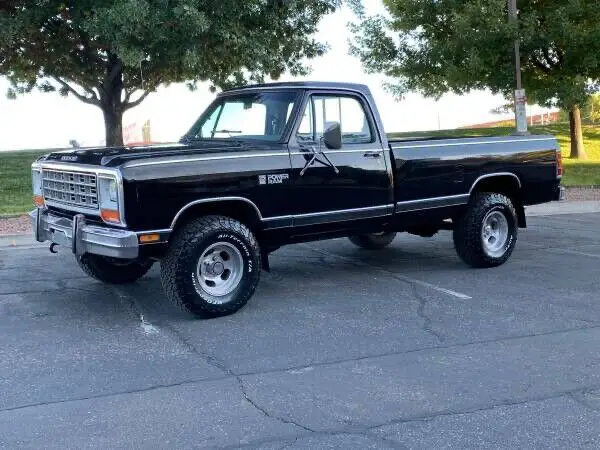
[(261, 116)]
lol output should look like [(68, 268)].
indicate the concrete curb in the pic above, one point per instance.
[(560, 208), (20, 240)]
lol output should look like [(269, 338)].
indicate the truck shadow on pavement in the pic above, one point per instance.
[(301, 270)]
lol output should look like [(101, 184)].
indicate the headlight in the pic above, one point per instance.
[(112, 191), (108, 200), (36, 185)]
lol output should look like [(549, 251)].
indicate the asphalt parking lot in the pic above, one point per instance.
[(339, 348)]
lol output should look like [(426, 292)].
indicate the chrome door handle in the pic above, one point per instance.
[(372, 155)]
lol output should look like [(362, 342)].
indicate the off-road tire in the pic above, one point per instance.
[(373, 241), (468, 230), (112, 270), (178, 269)]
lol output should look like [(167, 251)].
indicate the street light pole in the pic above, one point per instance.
[(512, 11), (520, 99)]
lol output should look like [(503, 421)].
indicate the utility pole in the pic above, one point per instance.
[(520, 98)]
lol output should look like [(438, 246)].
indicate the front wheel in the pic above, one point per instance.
[(212, 267), (113, 270), (374, 241), (486, 235)]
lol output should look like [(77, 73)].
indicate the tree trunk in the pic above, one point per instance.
[(577, 149), (111, 103), (113, 126)]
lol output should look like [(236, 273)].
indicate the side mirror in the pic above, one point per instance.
[(333, 135)]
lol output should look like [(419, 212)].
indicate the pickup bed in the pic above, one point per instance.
[(270, 165)]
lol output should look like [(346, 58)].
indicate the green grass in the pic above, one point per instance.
[(15, 167), (577, 173), (15, 181)]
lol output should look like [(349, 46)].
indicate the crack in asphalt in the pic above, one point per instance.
[(211, 360), (421, 349), (111, 394), (427, 322), (360, 430), (369, 432), (62, 284), (418, 297), (238, 376), (263, 410), (507, 403), (579, 398), (221, 365), (45, 291)]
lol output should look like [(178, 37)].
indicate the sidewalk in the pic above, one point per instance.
[(558, 208), (21, 241)]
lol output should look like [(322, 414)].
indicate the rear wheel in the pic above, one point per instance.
[(374, 241), (113, 270), (212, 267), (486, 235)]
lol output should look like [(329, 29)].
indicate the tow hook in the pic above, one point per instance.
[(53, 247)]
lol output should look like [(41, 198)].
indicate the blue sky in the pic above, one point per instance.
[(48, 120)]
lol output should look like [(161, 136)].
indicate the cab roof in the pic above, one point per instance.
[(324, 85)]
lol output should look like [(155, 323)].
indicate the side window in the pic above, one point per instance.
[(355, 125), (305, 130), (346, 110)]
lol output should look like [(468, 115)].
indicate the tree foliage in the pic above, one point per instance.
[(591, 110), (440, 46), (113, 53)]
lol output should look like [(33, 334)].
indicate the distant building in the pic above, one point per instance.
[(134, 134)]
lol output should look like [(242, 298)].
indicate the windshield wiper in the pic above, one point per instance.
[(192, 139)]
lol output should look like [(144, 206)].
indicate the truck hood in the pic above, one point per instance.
[(115, 156)]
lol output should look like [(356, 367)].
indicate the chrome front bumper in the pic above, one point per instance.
[(82, 237)]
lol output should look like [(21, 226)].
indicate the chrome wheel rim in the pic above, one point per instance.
[(494, 234), (219, 270)]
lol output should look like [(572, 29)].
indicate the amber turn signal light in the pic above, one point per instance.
[(146, 238), (110, 215), (38, 200)]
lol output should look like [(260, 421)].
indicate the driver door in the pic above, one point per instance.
[(361, 186)]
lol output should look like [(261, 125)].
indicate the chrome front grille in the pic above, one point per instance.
[(76, 189)]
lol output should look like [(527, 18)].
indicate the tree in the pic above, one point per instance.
[(440, 46), (113, 53), (592, 109)]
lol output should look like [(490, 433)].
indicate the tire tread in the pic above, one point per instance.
[(103, 271), (373, 242), (466, 236), (172, 278)]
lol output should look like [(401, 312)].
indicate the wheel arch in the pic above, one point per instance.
[(506, 183), (238, 208)]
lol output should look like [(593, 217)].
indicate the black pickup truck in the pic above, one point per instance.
[(269, 165)]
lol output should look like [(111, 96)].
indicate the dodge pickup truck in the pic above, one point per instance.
[(276, 164)]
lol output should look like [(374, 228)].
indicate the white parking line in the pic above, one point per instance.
[(147, 327), (395, 275), (434, 287)]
